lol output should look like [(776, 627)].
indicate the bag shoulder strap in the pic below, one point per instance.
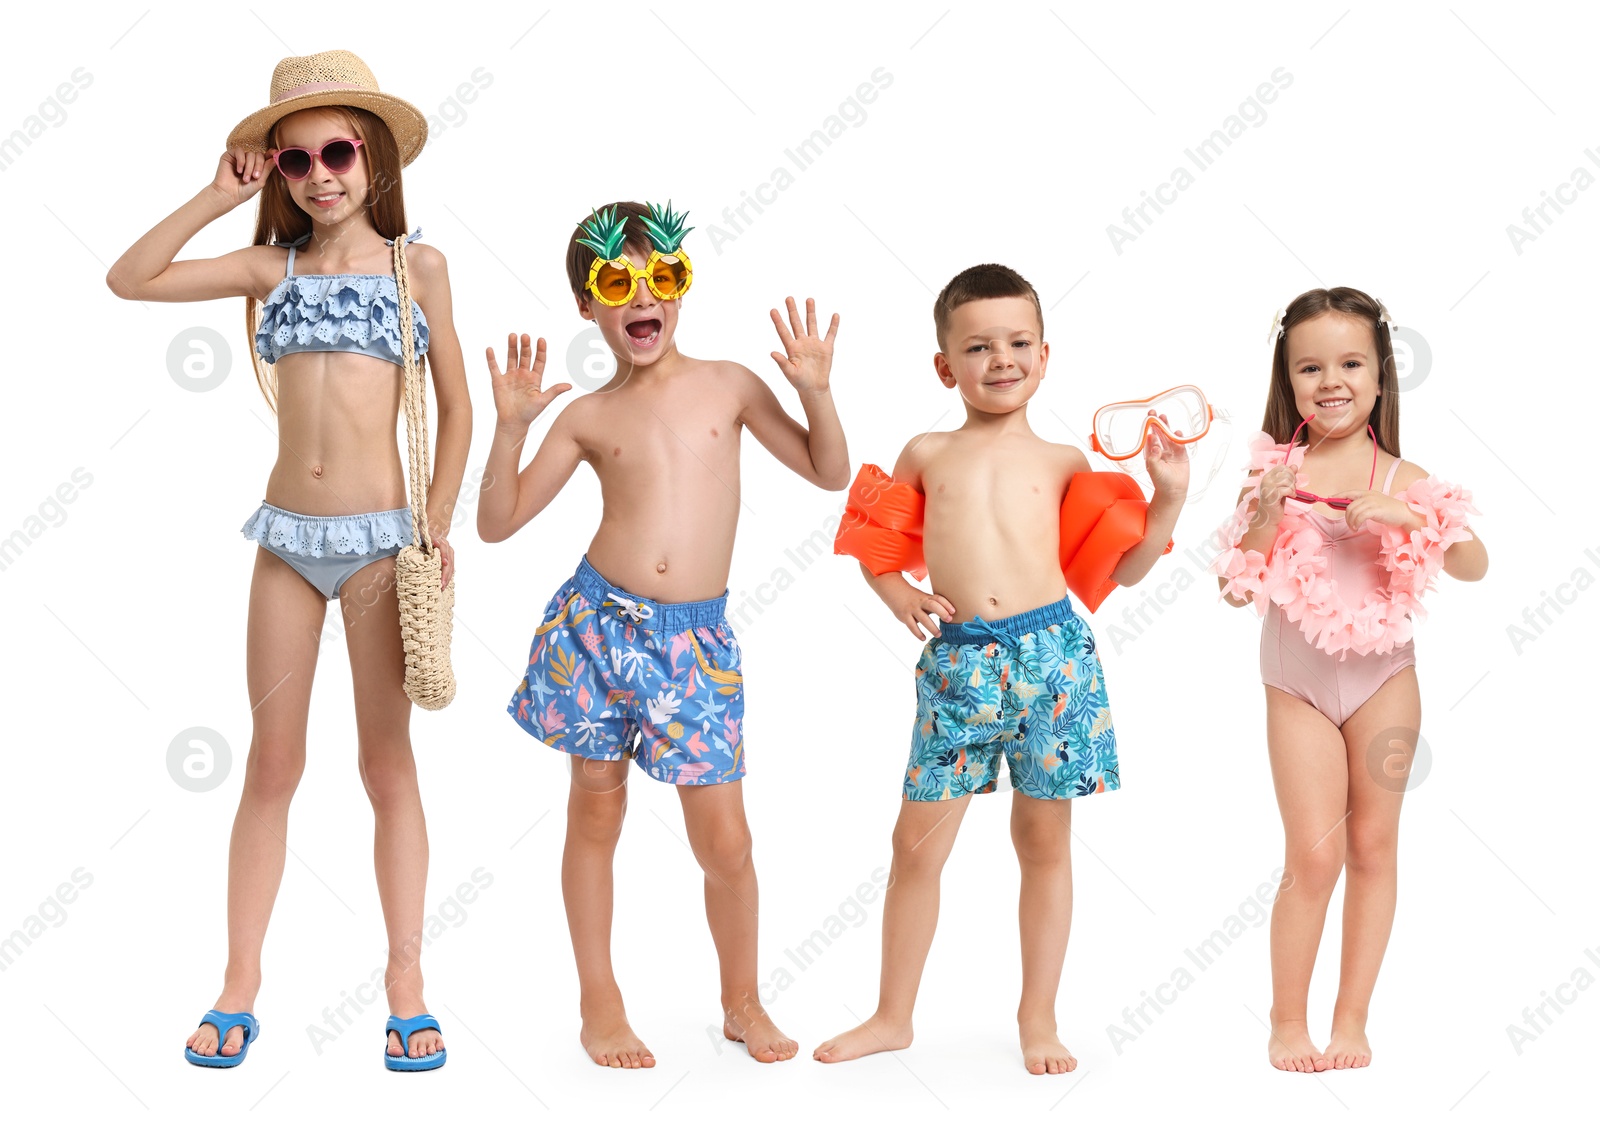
[(416, 404)]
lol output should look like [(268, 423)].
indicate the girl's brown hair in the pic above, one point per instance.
[(1282, 418), (279, 219)]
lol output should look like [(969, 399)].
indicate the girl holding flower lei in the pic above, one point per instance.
[(1336, 565)]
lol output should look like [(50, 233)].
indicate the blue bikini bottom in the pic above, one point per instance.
[(327, 551)]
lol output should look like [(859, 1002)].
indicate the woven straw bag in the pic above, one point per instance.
[(425, 608)]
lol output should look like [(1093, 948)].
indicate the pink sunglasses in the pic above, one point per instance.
[(338, 156), (1336, 503)]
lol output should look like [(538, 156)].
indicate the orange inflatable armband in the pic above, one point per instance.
[(1102, 517), (882, 524)]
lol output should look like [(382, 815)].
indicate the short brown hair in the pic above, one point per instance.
[(980, 282), (580, 258), (1281, 418)]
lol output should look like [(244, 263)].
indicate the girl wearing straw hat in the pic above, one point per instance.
[(339, 332)]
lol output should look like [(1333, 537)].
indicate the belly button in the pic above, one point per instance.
[(993, 601), (316, 470), (662, 567)]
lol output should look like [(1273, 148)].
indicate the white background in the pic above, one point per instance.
[(1407, 142)]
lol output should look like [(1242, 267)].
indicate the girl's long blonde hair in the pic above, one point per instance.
[(279, 219)]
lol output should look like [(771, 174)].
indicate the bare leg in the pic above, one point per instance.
[(1041, 830), (720, 838), (1309, 774), (284, 630), (1371, 867), (923, 838), (595, 808), (389, 775)]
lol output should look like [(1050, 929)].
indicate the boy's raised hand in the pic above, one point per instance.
[(1166, 460), (807, 356), (519, 396)]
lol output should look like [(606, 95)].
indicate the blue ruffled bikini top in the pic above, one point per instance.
[(356, 312)]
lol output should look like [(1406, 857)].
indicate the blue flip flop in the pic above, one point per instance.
[(405, 1028), (225, 1022)]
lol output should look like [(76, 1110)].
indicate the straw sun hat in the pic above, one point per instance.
[(331, 78)]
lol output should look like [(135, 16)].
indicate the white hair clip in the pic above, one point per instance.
[(1277, 326), (1383, 315)]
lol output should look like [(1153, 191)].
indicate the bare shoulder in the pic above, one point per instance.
[(581, 411), (734, 375), (1404, 475), (1071, 459), (919, 452), (427, 268), (737, 380), (426, 260), (261, 267)]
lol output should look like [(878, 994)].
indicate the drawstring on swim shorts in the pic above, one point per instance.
[(632, 610), (1025, 653)]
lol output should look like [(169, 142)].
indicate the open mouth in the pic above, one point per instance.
[(326, 201), (1333, 403), (644, 332)]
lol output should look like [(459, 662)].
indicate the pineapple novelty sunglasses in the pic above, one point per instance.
[(613, 279), (1121, 427)]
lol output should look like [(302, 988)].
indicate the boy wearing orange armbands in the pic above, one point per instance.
[(1004, 523)]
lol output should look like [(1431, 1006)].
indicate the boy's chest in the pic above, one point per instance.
[(992, 484), (662, 428)]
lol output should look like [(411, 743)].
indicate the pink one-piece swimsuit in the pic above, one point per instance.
[(1288, 660)]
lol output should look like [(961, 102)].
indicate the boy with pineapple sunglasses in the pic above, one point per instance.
[(635, 658)]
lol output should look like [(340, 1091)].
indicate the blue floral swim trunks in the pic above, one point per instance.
[(1027, 688), (614, 676)]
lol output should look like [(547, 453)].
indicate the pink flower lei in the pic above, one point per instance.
[(1294, 576)]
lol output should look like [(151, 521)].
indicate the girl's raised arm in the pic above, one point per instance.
[(147, 270)]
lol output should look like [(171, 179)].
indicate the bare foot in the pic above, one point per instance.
[(875, 1034), (754, 1028), (1347, 1046), (611, 1042), (1290, 1048), (1043, 1051)]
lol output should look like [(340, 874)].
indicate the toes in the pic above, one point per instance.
[(647, 1060), (394, 1044), (234, 1041)]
